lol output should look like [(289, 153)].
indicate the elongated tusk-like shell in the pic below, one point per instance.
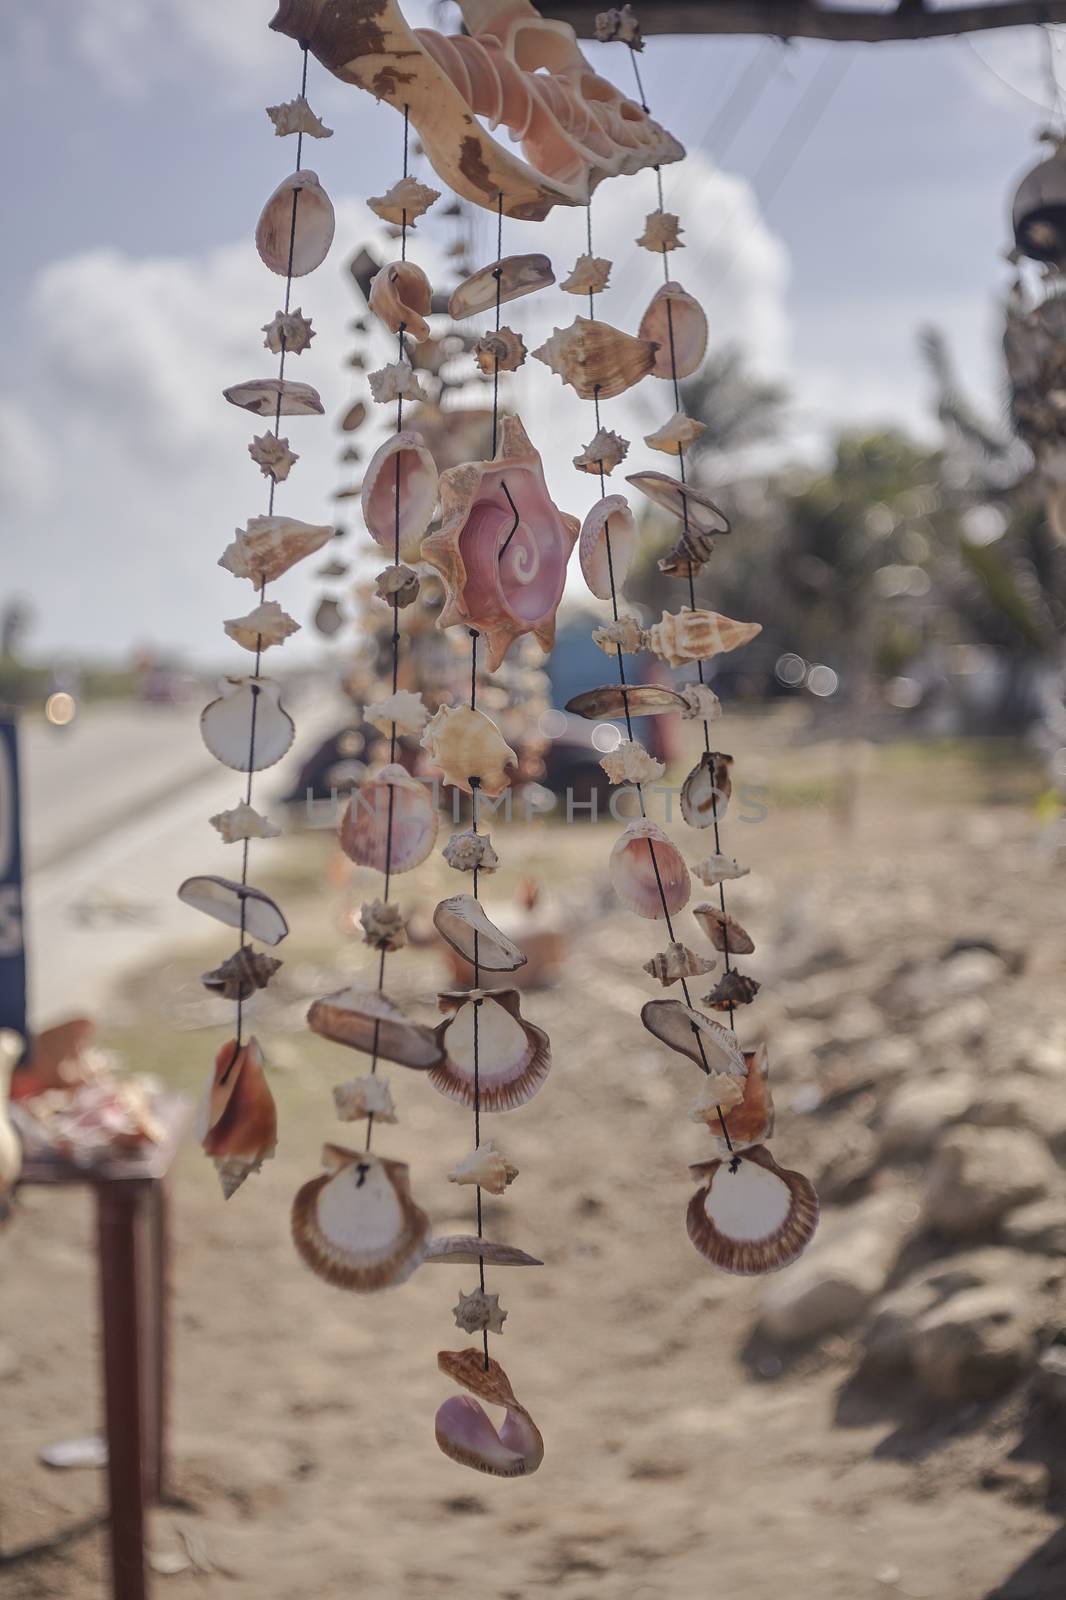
[(247, 727), (406, 506), (357, 1226), (390, 796), (644, 861), (610, 518), (611, 700), (299, 218), (688, 635), (466, 1250), (512, 1057), (237, 905), (261, 395), (464, 1431), (367, 1020), (751, 1216)]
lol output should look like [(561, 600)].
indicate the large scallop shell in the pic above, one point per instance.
[(705, 792), (610, 518), (688, 635), (643, 859), (678, 325), (238, 1121), (463, 1428), (367, 1020), (683, 500), (296, 226), (401, 295), (261, 395), (400, 509), (357, 1226), (519, 275), (751, 1120), (691, 1034), (611, 700), (596, 360), (247, 727), (390, 805), (466, 1250), (467, 744), (267, 547), (238, 905), (461, 922), (513, 1056), (751, 1216)]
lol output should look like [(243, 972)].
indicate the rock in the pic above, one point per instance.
[(964, 1024), (979, 1174), (843, 1270), (974, 1346), (1025, 1482), (889, 1338), (1021, 1102), (850, 1167), (970, 971), (1051, 1376), (1040, 1227), (917, 1113)]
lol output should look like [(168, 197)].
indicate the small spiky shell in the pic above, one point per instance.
[(238, 1122), (619, 22), (357, 1226), (732, 989), (688, 635), (467, 744), (272, 456), (241, 974), (401, 296), (383, 925), (243, 821), (361, 1098), (596, 359), (290, 331), (397, 380), (296, 116), (626, 635), (662, 231), (629, 762), (701, 703), (751, 1216), (487, 1167), (503, 350), (588, 275), (486, 1028), (603, 453), (517, 276), (266, 625), (404, 710), (470, 851), (724, 932), (404, 203)]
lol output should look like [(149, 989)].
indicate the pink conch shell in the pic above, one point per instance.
[(641, 849), (237, 905), (400, 294), (518, 276), (367, 1020), (247, 727), (298, 215), (751, 1216), (461, 921), (357, 1226), (609, 516), (513, 1057), (238, 1120), (501, 577), (516, 70), (406, 454), (678, 325), (364, 833), (464, 1431), (596, 360)]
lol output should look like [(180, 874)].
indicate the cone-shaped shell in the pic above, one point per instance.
[(239, 1122), (389, 804), (751, 1216), (513, 1057), (461, 922), (678, 325), (367, 1020), (675, 436), (705, 792), (267, 547), (596, 359), (247, 727), (677, 961), (732, 989), (519, 275), (691, 1034), (401, 295), (688, 635), (411, 502), (682, 500), (647, 870), (466, 1250), (463, 1428), (611, 701), (295, 228), (241, 974), (238, 905), (487, 1167), (357, 1226), (751, 1121), (610, 519), (261, 395), (467, 744), (724, 932)]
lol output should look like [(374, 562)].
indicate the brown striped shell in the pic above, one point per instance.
[(513, 1056), (357, 1226), (751, 1216)]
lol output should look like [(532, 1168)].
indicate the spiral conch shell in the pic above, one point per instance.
[(241, 974), (299, 218), (389, 796), (464, 1430), (467, 744), (401, 295), (238, 1121), (513, 1056), (677, 961), (751, 1216), (487, 1167), (399, 493), (611, 517), (267, 547), (642, 859), (688, 635), (357, 1226), (226, 725), (678, 325), (596, 359)]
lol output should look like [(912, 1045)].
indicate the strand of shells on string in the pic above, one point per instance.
[(749, 1215), (246, 727)]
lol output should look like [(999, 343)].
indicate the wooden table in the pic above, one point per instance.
[(132, 1252)]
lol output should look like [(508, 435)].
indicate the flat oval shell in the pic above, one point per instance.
[(610, 518), (610, 700), (400, 512), (752, 1216), (261, 396), (389, 804), (299, 218), (513, 1056), (367, 1020), (357, 1226), (466, 1250), (226, 725), (223, 898), (647, 869), (461, 922), (691, 1034), (519, 275), (682, 500), (678, 325)]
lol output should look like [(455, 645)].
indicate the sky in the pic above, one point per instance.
[(142, 156)]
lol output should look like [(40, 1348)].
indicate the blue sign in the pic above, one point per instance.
[(12, 948)]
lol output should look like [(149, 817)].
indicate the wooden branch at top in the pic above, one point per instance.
[(804, 19)]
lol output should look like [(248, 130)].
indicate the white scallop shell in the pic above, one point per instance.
[(610, 518), (298, 216), (389, 796), (513, 1056), (751, 1216), (234, 738), (357, 1226), (406, 454), (641, 849)]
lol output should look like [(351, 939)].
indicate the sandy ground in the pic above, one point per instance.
[(681, 1460)]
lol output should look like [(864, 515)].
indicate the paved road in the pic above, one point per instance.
[(116, 812)]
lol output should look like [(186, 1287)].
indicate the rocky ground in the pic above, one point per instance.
[(885, 1418)]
